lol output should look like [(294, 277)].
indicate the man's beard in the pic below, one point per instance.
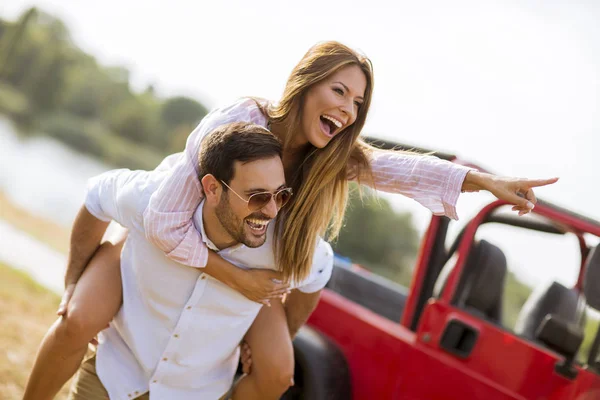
[(234, 226)]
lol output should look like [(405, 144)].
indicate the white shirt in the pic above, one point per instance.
[(178, 331)]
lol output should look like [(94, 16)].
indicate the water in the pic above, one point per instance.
[(47, 179), (44, 264), (44, 176)]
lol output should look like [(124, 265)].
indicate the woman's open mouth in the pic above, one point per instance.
[(329, 125)]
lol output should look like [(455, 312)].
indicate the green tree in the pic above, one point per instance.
[(591, 329), (12, 39), (181, 110), (48, 83), (378, 238), (516, 294)]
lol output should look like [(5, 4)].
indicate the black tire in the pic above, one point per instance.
[(321, 371)]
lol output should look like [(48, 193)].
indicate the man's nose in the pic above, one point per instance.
[(270, 210)]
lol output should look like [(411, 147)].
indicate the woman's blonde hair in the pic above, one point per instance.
[(321, 182)]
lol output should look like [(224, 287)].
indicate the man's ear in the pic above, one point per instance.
[(212, 188)]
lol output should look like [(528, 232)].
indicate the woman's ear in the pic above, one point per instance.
[(211, 187)]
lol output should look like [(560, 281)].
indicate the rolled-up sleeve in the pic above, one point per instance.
[(116, 195), (429, 180), (168, 217), (321, 270), (100, 196)]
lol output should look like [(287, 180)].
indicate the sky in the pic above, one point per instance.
[(513, 86)]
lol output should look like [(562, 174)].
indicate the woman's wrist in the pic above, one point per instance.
[(476, 181), (224, 271)]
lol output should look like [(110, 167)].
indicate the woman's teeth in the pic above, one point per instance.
[(337, 123)]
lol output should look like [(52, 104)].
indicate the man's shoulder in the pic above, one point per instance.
[(138, 186), (132, 189)]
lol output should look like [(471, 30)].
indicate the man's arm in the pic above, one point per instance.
[(86, 235), (298, 307)]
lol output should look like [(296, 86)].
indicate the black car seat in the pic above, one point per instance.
[(568, 304), (481, 286)]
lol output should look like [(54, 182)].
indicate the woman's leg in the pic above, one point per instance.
[(96, 300), (272, 357)]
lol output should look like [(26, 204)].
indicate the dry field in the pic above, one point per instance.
[(26, 311)]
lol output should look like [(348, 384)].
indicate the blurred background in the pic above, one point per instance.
[(513, 86)]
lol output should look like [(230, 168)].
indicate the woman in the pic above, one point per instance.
[(318, 120)]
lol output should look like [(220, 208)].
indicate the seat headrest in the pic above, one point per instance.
[(485, 278), (552, 299), (482, 283)]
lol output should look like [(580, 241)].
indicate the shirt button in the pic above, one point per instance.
[(188, 307), (154, 381), (176, 335), (136, 392), (203, 276), (165, 359)]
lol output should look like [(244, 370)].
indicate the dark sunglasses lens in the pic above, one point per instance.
[(281, 198), (258, 201)]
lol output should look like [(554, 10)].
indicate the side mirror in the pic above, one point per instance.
[(591, 281), (563, 337)]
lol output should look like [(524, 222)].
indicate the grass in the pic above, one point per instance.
[(28, 310)]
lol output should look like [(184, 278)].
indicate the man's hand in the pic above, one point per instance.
[(246, 357), (66, 297), (260, 285)]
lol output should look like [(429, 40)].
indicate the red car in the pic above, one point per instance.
[(444, 338)]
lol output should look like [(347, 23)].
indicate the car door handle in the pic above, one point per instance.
[(459, 338)]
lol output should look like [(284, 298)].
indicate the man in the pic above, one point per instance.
[(177, 333)]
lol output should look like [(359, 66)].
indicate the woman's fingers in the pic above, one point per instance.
[(279, 285), (518, 201), (525, 199), (530, 195), (266, 302), (277, 281), (531, 183), (281, 291), (519, 191)]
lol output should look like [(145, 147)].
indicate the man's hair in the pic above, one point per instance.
[(237, 141)]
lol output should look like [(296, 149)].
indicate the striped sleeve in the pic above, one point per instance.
[(429, 180), (168, 220)]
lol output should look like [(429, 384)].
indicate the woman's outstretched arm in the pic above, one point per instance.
[(437, 184)]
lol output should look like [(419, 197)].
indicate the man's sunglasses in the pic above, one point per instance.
[(258, 201)]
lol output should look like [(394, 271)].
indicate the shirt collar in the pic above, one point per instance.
[(199, 222)]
